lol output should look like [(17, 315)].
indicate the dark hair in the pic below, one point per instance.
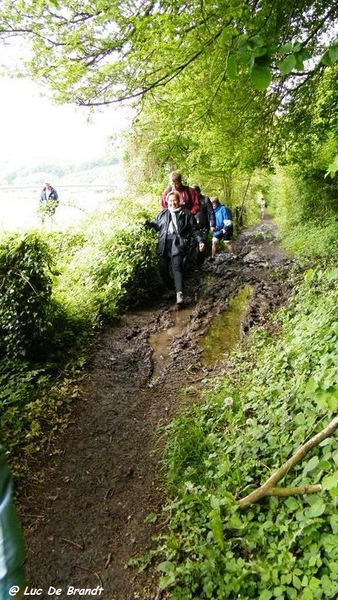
[(197, 188)]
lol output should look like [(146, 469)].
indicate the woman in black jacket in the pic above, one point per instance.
[(176, 226)]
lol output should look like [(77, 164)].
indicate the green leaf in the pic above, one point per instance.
[(266, 595), (311, 465), (166, 567), (316, 510), (326, 59), (296, 582), (333, 273), (260, 77), (224, 37), (287, 65), (307, 594), (285, 48), (292, 503), (217, 528), (333, 52), (311, 387), (299, 62), (232, 66), (330, 481)]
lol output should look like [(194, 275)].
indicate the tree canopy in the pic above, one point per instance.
[(217, 85), (95, 52)]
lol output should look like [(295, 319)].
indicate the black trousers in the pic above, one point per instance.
[(171, 268)]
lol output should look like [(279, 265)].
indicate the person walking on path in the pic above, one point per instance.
[(12, 552), (223, 228), (189, 198), (49, 201), (262, 205), (176, 226), (205, 219)]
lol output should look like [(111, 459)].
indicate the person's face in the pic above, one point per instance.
[(176, 183), (173, 201)]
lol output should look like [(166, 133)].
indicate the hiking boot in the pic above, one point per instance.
[(179, 298)]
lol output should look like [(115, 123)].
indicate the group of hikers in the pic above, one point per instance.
[(184, 223), (187, 221)]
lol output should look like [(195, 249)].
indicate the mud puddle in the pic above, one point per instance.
[(225, 329), (161, 341)]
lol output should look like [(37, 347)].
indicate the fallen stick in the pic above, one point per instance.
[(269, 487)]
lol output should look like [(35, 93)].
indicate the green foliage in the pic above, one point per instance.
[(229, 444), (26, 288), (30, 407), (109, 266), (150, 46), (51, 308)]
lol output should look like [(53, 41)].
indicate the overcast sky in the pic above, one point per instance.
[(32, 126)]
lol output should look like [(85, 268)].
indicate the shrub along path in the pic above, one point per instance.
[(85, 509)]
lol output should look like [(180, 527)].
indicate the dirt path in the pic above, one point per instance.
[(85, 512)]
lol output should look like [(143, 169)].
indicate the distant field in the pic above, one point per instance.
[(19, 206)]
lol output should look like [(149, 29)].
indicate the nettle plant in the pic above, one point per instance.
[(25, 292)]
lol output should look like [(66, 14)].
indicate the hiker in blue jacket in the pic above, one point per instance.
[(223, 228), (49, 201), (12, 553)]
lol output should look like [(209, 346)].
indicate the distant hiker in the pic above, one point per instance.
[(223, 228), (262, 205), (205, 219), (49, 200), (189, 198), (12, 552), (176, 226)]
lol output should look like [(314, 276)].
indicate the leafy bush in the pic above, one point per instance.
[(57, 287), (26, 289)]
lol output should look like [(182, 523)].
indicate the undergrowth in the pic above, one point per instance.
[(246, 426), (57, 290)]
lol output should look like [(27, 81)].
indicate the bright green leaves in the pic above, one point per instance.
[(316, 509), (261, 60), (169, 576), (261, 77), (296, 55), (311, 465), (324, 391), (331, 54), (232, 67), (254, 56), (332, 168)]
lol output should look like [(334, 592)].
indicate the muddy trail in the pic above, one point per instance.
[(85, 511)]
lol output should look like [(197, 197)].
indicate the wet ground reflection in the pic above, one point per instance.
[(224, 332), (161, 341)]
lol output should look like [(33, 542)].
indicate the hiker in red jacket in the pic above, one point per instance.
[(189, 198)]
